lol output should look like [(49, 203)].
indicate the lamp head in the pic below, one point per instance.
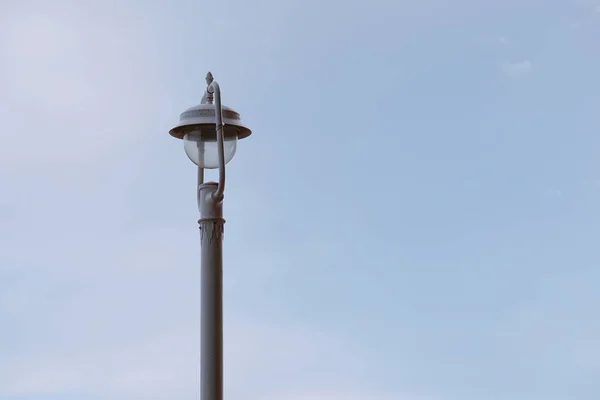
[(197, 128)]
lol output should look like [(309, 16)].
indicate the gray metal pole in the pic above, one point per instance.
[(211, 295), (210, 204)]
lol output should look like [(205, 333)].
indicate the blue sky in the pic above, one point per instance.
[(414, 218)]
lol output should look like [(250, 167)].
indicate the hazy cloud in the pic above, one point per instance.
[(517, 68), (553, 192), (346, 276)]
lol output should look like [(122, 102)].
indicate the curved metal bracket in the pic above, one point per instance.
[(213, 91)]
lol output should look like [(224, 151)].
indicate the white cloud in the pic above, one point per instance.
[(517, 68), (591, 182), (260, 357), (553, 192), (346, 395), (151, 367), (98, 273), (71, 86)]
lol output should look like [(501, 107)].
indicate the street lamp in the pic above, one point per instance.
[(210, 132)]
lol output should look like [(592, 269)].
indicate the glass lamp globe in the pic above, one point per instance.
[(202, 148)]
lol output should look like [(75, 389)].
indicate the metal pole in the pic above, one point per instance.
[(211, 275), (210, 203)]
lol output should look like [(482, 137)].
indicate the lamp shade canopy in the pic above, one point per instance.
[(203, 117)]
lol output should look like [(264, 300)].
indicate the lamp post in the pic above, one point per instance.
[(210, 132)]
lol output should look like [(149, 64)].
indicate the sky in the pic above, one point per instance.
[(415, 217)]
